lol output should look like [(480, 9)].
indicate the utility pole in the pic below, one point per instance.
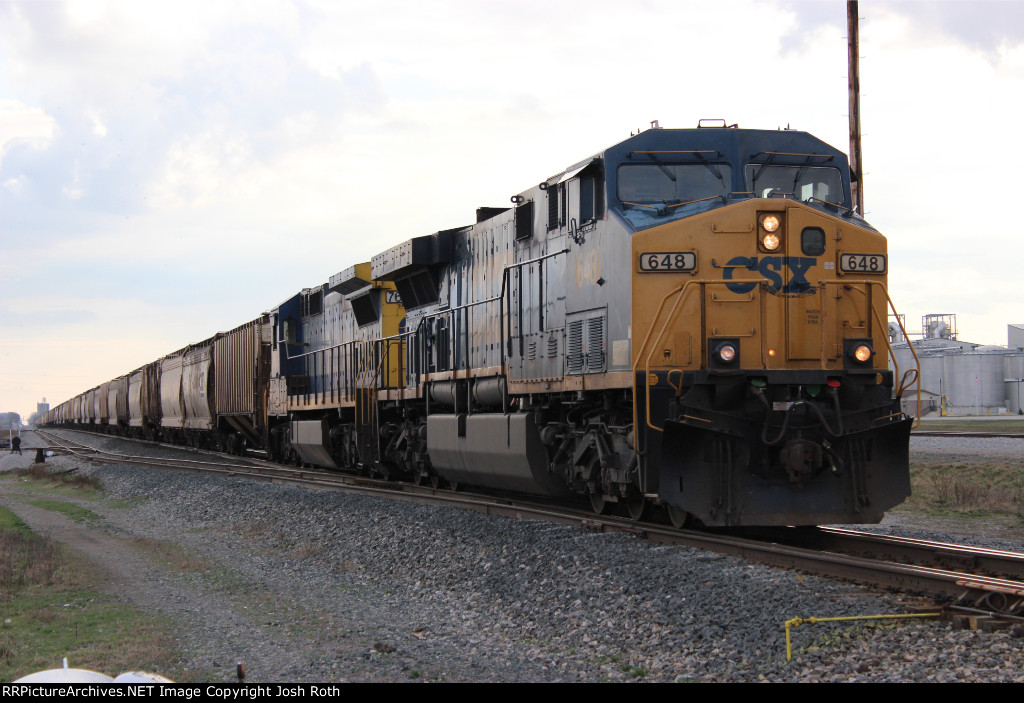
[(853, 55)]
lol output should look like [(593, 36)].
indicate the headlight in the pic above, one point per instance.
[(857, 354), (771, 226), (723, 353)]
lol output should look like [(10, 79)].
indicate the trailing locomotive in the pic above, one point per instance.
[(693, 319)]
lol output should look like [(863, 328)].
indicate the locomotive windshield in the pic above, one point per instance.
[(661, 182), (800, 182)]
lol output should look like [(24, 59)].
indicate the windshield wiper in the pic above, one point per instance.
[(711, 167), (662, 166)]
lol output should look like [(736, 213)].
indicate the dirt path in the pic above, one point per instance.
[(129, 575)]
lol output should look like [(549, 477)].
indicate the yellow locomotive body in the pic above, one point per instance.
[(760, 333)]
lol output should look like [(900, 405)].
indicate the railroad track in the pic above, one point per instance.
[(985, 586)]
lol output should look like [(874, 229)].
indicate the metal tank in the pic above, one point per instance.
[(1013, 382), (932, 382), (975, 383)]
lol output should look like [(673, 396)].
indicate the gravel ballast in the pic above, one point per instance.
[(311, 586)]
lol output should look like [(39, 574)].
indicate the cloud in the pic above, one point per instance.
[(988, 27), (47, 318), (24, 126), (982, 25), (175, 105)]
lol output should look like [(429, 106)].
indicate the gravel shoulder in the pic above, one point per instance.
[(312, 586)]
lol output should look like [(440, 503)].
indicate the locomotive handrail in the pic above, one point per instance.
[(680, 290), (500, 297), (892, 353)]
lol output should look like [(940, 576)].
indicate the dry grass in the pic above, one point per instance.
[(71, 479), (995, 489), (306, 550), (255, 530), (170, 555), (26, 559), (51, 607)]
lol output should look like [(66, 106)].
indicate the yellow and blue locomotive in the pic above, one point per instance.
[(692, 319)]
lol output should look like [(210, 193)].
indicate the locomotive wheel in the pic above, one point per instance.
[(599, 505), (678, 517), (637, 507)]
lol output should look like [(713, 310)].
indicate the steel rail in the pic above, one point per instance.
[(904, 550), (1000, 594)]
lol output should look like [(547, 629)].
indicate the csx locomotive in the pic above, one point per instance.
[(693, 318)]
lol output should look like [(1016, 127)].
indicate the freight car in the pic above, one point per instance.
[(694, 319)]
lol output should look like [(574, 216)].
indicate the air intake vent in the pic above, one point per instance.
[(585, 342), (574, 347), (595, 344)]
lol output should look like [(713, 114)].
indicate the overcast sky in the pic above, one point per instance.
[(171, 169)]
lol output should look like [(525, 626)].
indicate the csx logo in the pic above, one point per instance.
[(771, 267)]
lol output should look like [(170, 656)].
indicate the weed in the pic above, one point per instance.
[(415, 674), (637, 672)]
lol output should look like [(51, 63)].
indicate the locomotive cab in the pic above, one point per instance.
[(763, 392)]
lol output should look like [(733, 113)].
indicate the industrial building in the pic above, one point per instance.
[(959, 378)]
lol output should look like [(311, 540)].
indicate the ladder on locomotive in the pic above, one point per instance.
[(373, 369)]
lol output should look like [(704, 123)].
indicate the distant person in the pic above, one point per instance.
[(16, 445)]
